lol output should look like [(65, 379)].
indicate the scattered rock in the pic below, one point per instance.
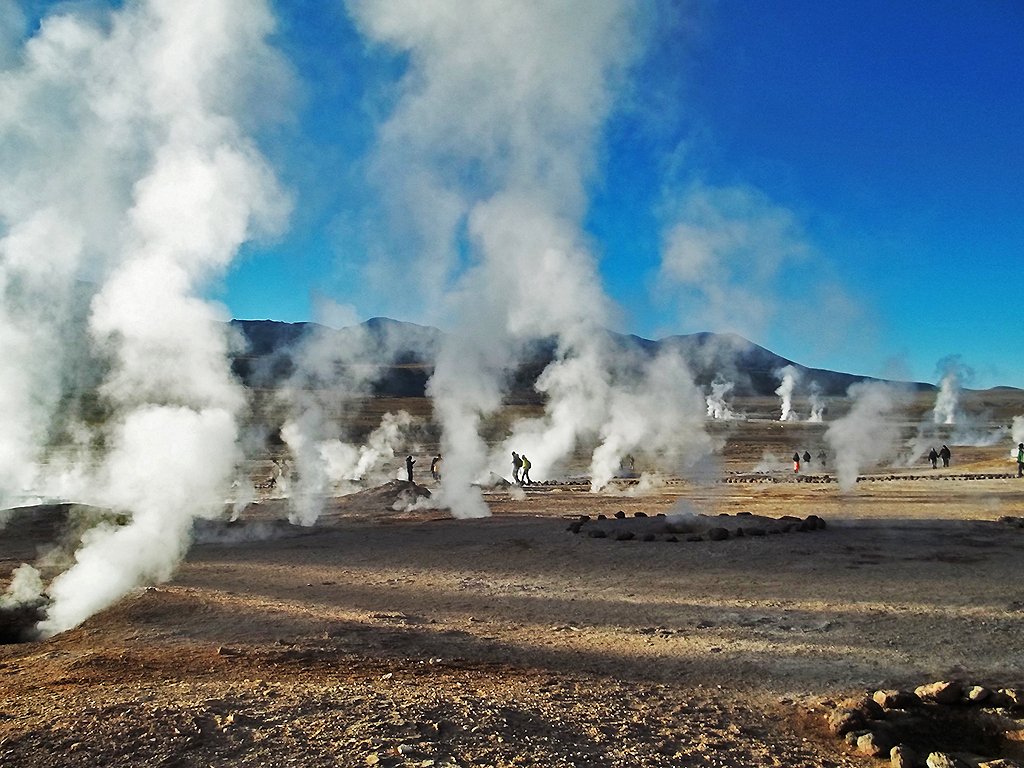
[(977, 694), (620, 515), (902, 756), (844, 721), (624, 535), (868, 707), (894, 699), (942, 692), (943, 760), (718, 534), (1014, 696), (874, 744)]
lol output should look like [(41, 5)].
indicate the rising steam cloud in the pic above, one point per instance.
[(513, 97), (953, 374), (718, 408), (789, 376), (128, 184), (869, 434)]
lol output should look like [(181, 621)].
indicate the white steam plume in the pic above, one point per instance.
[(1017, 432), (501, 109), (953, 374), (817, 404), (660, 417), (334, 375), (127, 166), (869, 434), (26, 587), (347, 463), (718, 408), (789, 376)]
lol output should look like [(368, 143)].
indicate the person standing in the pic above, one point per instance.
[(517, 464), (945, 455), (933, 457), (796, 461), (409, 461), (807, 458), (1020, 459), (526, 470), (435, 467)]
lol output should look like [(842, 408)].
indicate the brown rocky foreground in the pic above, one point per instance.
[(401, 639)]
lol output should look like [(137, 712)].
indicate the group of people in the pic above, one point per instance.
[(520, 469), (435, 467), (521, 465), (806, 459), (943, 453)]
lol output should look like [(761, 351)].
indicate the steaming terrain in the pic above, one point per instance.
[(252, 544), (391, 634)]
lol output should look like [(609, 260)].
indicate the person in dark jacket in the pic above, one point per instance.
[(945, 455), (807, 457), (517, 464), (409, 461), (933, 457), (1020, 459)]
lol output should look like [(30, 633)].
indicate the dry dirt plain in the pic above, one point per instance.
[(403, 639)]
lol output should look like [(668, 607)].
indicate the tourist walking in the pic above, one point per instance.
[(517, 464), (945, 455), (933, 457), (526, 470)]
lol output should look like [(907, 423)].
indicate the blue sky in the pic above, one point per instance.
[(871, 152)]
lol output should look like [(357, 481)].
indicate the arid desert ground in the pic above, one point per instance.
[(391, 638)]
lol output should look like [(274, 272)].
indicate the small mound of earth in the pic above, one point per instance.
[(495, 481), (690, 527), (395, 495), (385, 497)]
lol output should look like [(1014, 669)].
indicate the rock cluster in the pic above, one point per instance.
[(790, 477), (642, 527), (903, 726), (1016, 522)]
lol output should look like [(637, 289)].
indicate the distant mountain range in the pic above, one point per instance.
[(405, 354)]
